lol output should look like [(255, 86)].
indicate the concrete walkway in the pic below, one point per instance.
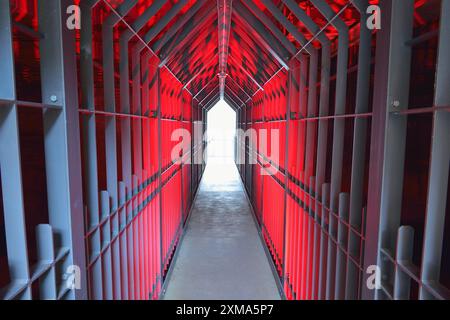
[(221, 255)]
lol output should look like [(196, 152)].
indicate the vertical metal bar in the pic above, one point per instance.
[(62, 135), (341, 257), (89, 141), (86, 60), (146, 274), (8, 87), (395, 133), (160, 187), (106, 246), (124, 242), (311, 127), (316, 249), (161, 42), (377, 142), (126, 149), (323, 241), (339, 124), (130, 249), (111, 140), (129, 245), (171, 49), (440, 158), (110, 106), (136, 127), (322, 135), (145, 86), (192, 146), (285, 22), (262, 34), (164, 20), (132, 285), (122, 248), (136, 95), (11, 174), (46, 255), (286, 166), (405, 249), (139, 226), (271, 26), (359, 151), (331, 258), (310, 236), (181, 168)]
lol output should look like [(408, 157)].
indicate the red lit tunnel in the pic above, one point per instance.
[(352, 95)]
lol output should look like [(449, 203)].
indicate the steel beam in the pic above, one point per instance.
[(126, 185), (439, 165), (271, 26), (289, 84), (164, 21), (160, 170), (230, 102), (186, 60), (322, 135), (302, 216), (311, 128), (212, 103), (207, 64), (322, 138), (168, 51), (359, 151), (120, 274), (200, 71), (234, 104), (90, 150), (310, 24), (404, 254), (338, 140), (62, 138), (377, 142), (262, 57), (201, 102), (204, 87), (120, 14), (361, 5), (237, 84), (247, 73), (234, 94), (300, 38), (262, 34), (11, 173), (395, 132), (161, 42)]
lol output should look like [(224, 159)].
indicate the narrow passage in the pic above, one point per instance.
[(221, 255)]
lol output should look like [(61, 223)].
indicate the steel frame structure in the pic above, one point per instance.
[(334, 236), (96, 108)]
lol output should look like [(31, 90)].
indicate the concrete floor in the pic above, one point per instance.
[(221, 255)]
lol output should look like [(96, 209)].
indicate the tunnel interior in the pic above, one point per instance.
[(353, 171)]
